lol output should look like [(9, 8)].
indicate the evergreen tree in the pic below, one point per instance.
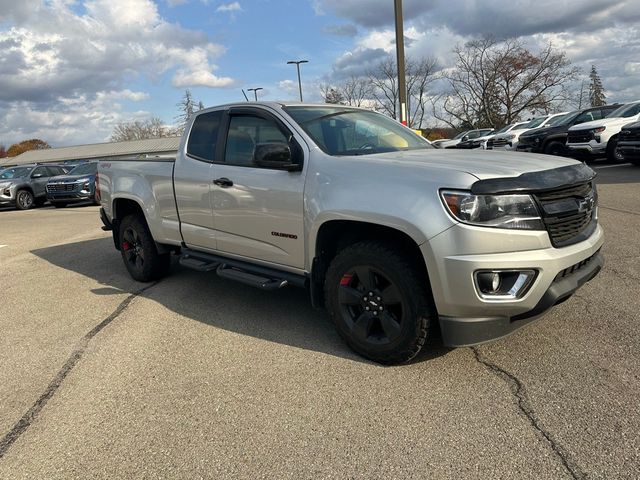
[(186, 107), (596, 91)]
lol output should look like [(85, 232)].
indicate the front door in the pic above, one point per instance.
[(258, 211)]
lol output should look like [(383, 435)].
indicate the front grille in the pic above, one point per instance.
[(500, 142), (61, 187), (580, 136), (568, 213)]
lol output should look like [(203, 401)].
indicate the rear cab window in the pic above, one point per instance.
[(203, 137)]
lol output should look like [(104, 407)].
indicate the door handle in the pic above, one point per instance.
[(223, 182)]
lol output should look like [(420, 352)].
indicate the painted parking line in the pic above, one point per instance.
[(2, 246), (612, 166)]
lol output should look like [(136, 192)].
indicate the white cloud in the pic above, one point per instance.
[(229, 7), (52, 56)]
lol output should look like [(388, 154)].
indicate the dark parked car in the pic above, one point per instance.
[(629, 143), (24, 187), (552, 138), (76, 186)]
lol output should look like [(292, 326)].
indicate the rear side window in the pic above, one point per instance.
[(204, 135)]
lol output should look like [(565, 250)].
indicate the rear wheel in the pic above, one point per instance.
[(24, 200), (613, 154), (554, 148), (139, 251), (379, 302)]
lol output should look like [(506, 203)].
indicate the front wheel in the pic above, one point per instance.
[(379, 302), (555, 148), (613, 154), (24, 200), (139, 251)]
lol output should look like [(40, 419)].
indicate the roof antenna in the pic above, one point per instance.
[(245, 95)]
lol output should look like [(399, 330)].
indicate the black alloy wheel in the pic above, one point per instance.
[(132, 248), (24, 200), (140, 252), (371, 305), (379, 301)]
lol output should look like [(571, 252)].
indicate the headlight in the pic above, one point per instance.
[(514, 211), (599, 129), (511, 136)]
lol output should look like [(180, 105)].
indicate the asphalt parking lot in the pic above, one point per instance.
[(199, 377)]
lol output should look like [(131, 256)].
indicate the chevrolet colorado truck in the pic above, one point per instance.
[(393, 237)]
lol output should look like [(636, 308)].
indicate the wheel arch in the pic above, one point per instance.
[(120, 208), (334, 235)]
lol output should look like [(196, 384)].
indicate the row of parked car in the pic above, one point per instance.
[(611, 131), (28, 186)]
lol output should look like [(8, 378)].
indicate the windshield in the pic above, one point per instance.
[(460, 135), (84, 169), (505, 128), (560, 119), (340, 131), (15, 172), (533, 123), (626, 111)]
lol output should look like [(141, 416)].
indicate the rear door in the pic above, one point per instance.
[(258, 211), (192, 181)]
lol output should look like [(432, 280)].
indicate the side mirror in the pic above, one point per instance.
[(277, 156), (465, 138), (37, 175)]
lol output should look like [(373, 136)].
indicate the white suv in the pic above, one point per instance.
[(600, 137), (509, 140)]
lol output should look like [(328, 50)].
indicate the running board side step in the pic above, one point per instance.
[(257, 276)]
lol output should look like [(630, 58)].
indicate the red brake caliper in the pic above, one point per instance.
[(126, 246), (345, 281)]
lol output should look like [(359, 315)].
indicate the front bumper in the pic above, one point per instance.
[(630, 150), (592, 148), (472, 331), (69, 197), (465, 317)]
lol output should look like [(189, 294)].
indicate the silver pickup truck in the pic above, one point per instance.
[(393, 237)]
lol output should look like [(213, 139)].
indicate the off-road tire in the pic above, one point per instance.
[(24, 200), (390, 268), (612, 155), (139, 252)]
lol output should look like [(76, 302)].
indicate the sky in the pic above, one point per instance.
[(70, 70)]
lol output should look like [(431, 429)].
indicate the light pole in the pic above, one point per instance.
[(402, 84), (298, 62), (255, 91)]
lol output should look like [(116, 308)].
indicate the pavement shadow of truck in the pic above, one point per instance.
[(284, 316)]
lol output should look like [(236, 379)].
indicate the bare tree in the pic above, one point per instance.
[(383, 80), (140, 130), (493, 83), (331, 94), (355, 91)]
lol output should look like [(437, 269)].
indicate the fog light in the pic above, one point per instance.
[(503, 284)]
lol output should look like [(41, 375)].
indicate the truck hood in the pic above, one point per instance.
[(69, 178), (614, 122), (482, 164)]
